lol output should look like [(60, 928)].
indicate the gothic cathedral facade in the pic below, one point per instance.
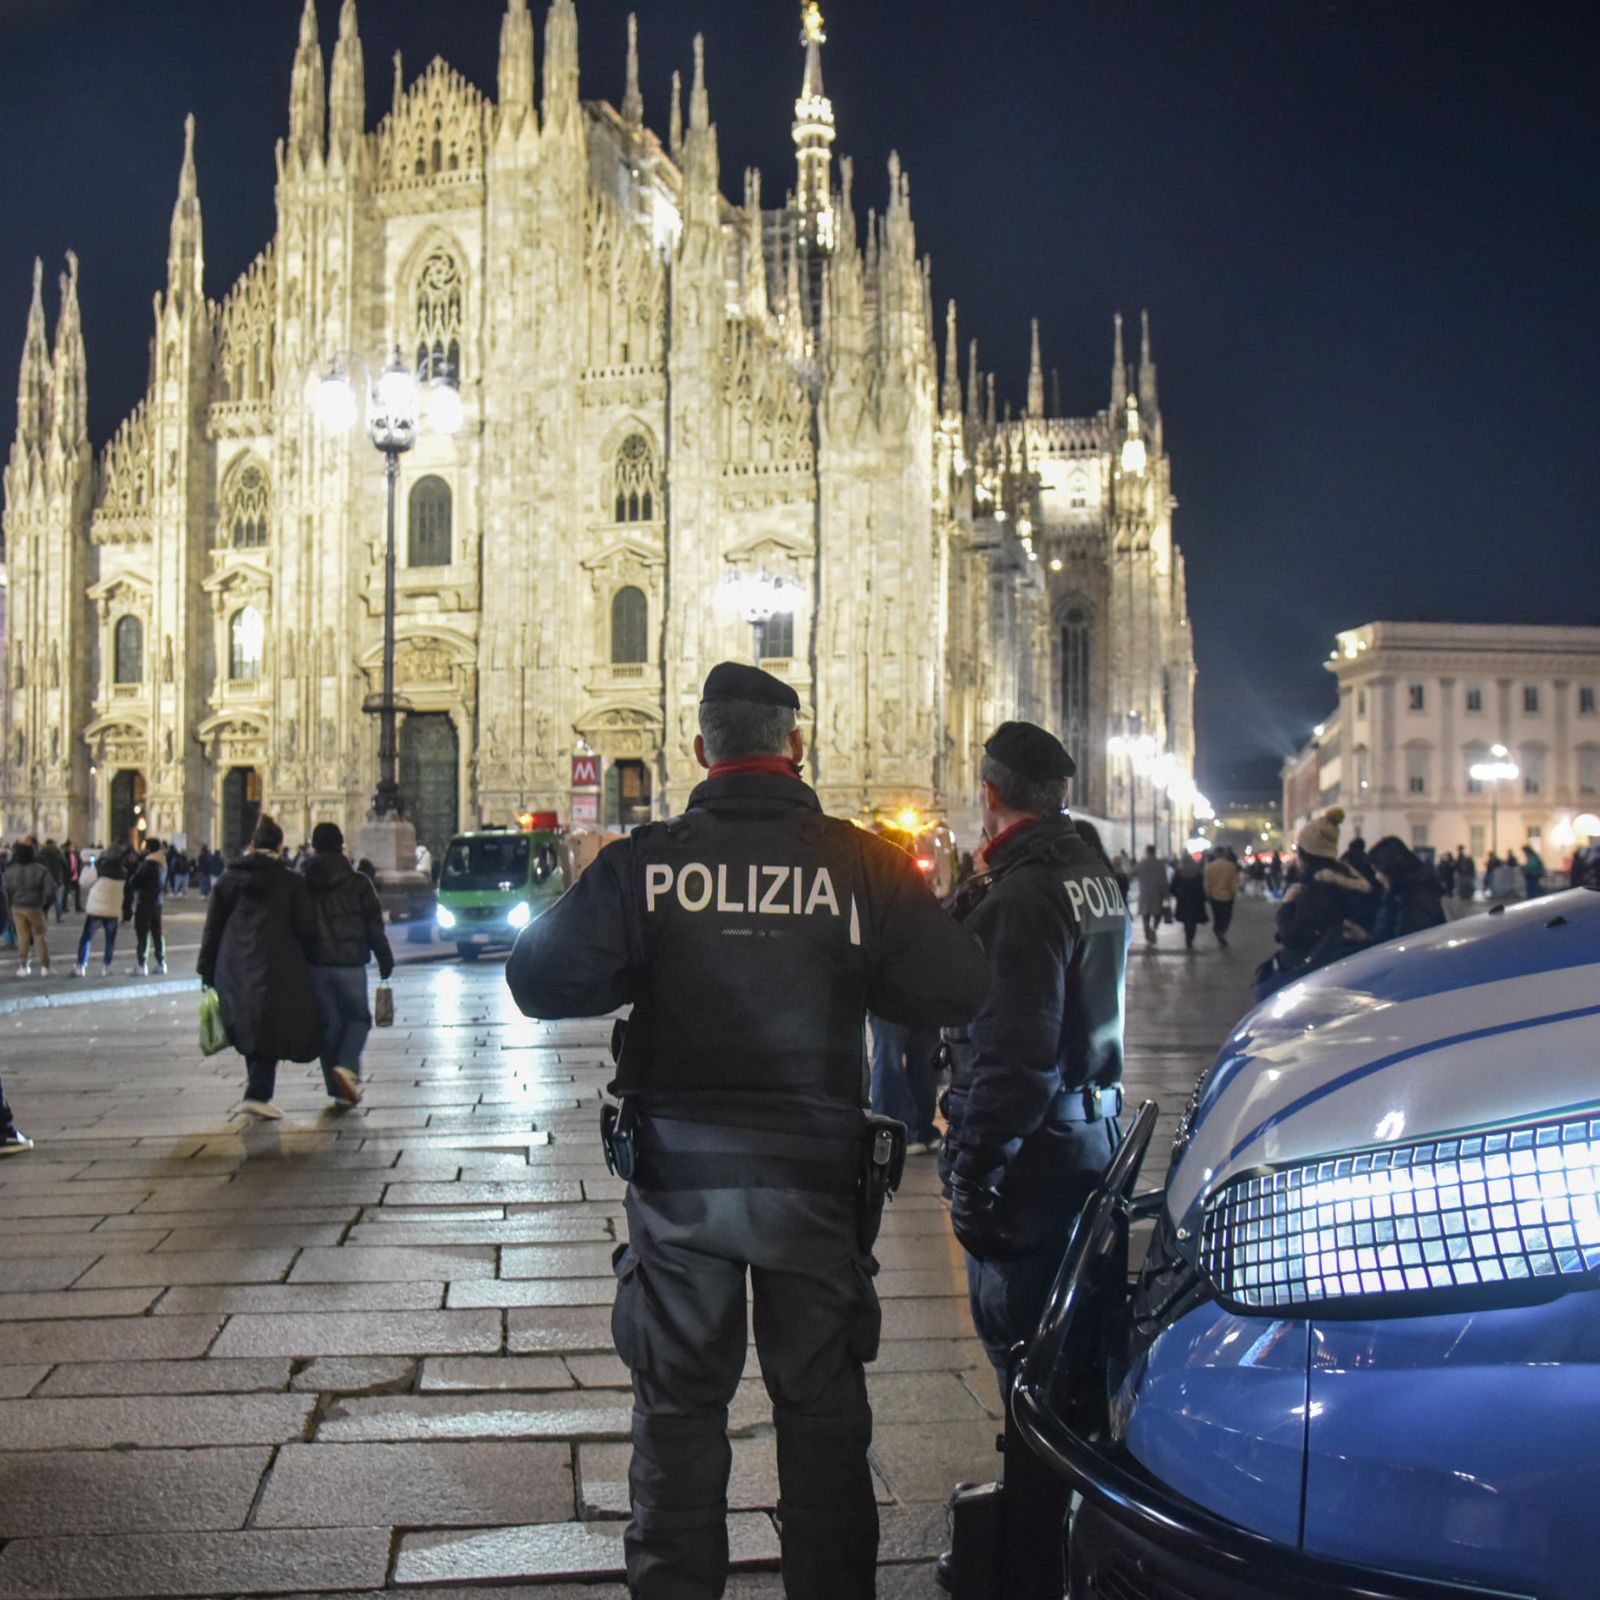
[(664, 393)]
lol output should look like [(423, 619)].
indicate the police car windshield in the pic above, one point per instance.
[(486, 863)]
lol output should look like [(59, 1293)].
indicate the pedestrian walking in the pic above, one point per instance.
[(1324, 912), (6, 935), (1466, 875), (49, 855), (1189, 897), (106, 881), (1151, 876), (31, 891), (178, 872), (1410, 900), (13, 1141), (142, 897), (349, 933), (1035, 1093), (750, 934), (202, 870), (70, 891), (1444, 873), (1532, 873), (260, 937), (1222, 889), (903, 1087)]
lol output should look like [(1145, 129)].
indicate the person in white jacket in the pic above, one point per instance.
[(103, 885)]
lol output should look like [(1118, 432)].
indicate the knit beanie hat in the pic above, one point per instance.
[(1320, 836)]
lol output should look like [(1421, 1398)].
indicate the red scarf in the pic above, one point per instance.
[(770, 766), (988, 850)]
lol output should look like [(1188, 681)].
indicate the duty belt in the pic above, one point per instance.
[(1091, 1103), (676, 1153)]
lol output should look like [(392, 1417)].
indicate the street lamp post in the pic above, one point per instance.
[(394, 404), (1493, 773), (758, 597)]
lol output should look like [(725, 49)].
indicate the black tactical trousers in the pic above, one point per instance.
[(679, 1324)]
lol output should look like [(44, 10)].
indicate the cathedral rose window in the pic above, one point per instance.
[(245, 509), (635, 480), (439, 314)]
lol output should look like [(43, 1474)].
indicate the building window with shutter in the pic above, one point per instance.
[(630, 614), (429, 523), (1530, 699), (128, 651)]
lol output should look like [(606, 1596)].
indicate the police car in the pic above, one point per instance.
[(1362, 1354)]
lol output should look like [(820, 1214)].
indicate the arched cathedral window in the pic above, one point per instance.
[(247, 637), (634, 481), (439, 320), (630, 639), (429, 524), (127, 655), (246, 502)]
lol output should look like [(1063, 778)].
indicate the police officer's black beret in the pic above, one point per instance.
[(733, 680), (1030, 752)]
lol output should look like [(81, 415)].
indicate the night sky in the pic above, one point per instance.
[(1366, 233)]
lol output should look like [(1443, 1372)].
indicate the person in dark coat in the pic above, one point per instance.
[(260, 936), (1327, 899), (1363, 910), (141, 904), (349, 933), (1189, 897), (1410, 900)]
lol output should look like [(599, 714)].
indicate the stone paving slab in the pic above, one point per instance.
[(533, 1292), (201, 1564), (190, 1266), (562, 1550), (15, 1382), (384, 1264), (488, 1374), (572, 1414), (361, 1334), (417, 1485), (301, 1297), (29, 1274), (87, 1378), (90, 1492), (557, 1328), (355, 1375), (111, 1339), (152, 1422)]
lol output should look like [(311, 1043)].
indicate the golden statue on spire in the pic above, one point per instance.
[(811, 27)]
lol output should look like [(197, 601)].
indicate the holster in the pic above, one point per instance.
[(619, 1138), (883, 1161)]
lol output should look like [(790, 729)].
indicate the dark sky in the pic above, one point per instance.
[(1366, 232)]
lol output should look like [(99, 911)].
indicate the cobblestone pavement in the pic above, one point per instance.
[(371, 1349)]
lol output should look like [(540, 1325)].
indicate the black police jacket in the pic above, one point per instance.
[(750, 935), (1055, 926)]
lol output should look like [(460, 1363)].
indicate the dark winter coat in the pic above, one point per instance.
[(349, 917), (30, 884), (1411, 902), (147, 883), (1327, 895), (261, 932), (1189, 896)]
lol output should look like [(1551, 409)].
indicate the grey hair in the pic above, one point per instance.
[(1036, 797), (735, 728)]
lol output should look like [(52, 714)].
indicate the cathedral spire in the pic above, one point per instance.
[(632, 98), (814, 134), (307, 91), (561, 65), (755, 266), (699, 96), (33, 382), (675, 119), (950, 400), (1147, 367), (347, 100), (1119, 369), (398, 93), (185, 254), (516, 65), (1035, 377), (69, 400), (700, 170), (974, 386)]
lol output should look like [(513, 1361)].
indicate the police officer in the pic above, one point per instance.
[(750, 936), (1035, 1089)]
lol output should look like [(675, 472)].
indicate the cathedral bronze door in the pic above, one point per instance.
[(127, 806), (430, 777), (241, 808), (627, 794)]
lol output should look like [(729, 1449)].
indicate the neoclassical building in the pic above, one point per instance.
[(663, 390)]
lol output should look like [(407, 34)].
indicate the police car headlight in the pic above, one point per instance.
[(1512, 1214), (444, 916), (520, 914)]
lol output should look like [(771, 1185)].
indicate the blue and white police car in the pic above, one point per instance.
[(1362, 1354)]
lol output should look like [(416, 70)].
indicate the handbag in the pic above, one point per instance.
[(213, 1035), (383, 1005)]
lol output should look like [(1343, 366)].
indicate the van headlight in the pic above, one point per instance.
[(1507, 1215), (444, 916), (520, 914)]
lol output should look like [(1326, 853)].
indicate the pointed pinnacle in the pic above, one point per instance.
[(399, 80), (348, 27), (675, 117), (633, 99), (308, 23), (38, 288), (699, 100), (188, 184)]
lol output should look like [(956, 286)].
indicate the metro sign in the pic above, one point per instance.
[(586, 772)]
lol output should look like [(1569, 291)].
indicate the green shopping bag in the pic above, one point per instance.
[(213, 1036)]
